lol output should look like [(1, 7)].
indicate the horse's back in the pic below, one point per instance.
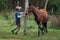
[(43, 12)]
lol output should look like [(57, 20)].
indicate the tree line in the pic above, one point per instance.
[(53, 5)]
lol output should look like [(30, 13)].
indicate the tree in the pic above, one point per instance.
[(46, 4), (26, 5), (53, 6)]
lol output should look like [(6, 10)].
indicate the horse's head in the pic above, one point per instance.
[(29, 9)]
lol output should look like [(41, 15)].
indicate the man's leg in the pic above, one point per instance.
[(18, 28), (14, 28)]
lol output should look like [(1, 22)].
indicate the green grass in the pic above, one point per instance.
[(32, 32)]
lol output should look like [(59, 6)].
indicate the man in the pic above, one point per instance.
[(17, 20)]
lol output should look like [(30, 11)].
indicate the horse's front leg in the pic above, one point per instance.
[(41, 28)]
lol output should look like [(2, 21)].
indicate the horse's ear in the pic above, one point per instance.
[(30, 3)]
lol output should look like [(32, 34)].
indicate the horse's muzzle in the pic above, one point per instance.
[(26, 13)]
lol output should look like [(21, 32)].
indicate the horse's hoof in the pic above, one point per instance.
[(24, 34), (12, 32), (46, 31), (16, 33)]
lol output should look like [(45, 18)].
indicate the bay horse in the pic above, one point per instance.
[(41, 18)]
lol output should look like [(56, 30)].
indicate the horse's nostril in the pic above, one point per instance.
[(25, 13)]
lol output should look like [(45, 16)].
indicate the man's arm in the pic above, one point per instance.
[(20, 16)]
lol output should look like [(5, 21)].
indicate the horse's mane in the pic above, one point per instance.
[(43, 10), (40, 10), (34, 7)]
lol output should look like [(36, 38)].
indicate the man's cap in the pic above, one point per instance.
[(17, 7)]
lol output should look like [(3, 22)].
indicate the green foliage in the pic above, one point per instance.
[(52, 4), (32, 34), (7, 4), (55, 5), (3, 4)]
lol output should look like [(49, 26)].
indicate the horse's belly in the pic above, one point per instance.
[(43, 18)]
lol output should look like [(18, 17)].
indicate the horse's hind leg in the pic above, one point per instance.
[(38, 31), (45, 27)]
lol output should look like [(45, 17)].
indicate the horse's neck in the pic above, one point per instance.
[(35, 12)]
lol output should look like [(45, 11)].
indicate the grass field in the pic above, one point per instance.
[(5, 32)]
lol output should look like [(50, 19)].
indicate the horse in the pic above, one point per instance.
[(41, 18)]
